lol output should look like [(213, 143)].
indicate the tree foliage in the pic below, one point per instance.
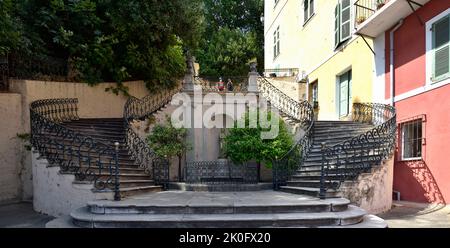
[(168, 141), (234, 36), (10, 27), (108, 40), (245, 144)]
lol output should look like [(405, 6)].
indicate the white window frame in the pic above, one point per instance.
[(430, 84), (402, 125), (276, 45)]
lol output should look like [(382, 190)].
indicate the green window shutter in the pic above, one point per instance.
[(311, 7), (345, 20), (337, 25), (441, 49)]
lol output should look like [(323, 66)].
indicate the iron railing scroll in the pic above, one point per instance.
[(140, 109), (301, 111), (75, 153), (347, 160)]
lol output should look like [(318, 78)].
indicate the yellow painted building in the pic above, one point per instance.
[(319, 36)]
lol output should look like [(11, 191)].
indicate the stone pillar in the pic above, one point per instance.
[(188, 82), (253, 79)]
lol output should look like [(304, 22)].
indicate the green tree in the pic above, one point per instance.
[(168, 141), (107, 40), (234, 35), (245, 144), (10, 27)]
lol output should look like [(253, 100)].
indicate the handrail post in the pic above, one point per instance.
[(322, 174), (117, 196)]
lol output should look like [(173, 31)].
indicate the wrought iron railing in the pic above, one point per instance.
[(281, 72), (140, 109), (302, 112), (211, 84), (220, 172), (45, 68), (74, 152), (347, 160), (366, 8), (4, 73)]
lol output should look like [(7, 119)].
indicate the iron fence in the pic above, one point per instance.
[(220, 172)]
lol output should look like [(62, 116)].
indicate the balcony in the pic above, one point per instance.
[(374, 17)]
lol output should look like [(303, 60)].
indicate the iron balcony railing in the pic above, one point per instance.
[(281, 72), (213, 84), (364, 9)]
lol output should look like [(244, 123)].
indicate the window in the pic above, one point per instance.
[(441, 49), (342, 22), (276, 43), (412, 140), (344, 91), (308, 9)]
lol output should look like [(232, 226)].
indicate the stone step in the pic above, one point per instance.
[(82, 217), (136, 183), (309, 191), (312, 183), (317, 158), (131, 191), (257, 207)]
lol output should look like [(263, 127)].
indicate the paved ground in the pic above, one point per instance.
[(414, 215), (21, 215)]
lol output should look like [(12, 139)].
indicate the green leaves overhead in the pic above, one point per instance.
[(108, 40), (234, 36)]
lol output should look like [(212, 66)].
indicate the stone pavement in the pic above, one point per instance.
[(21, 215), (417, 215)]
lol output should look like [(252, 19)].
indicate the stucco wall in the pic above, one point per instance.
[(296, 91), (56, 194), (355, 56), (10, 146), (372, 191), (94, 101)]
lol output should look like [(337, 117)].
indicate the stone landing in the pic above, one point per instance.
[(181, 209)]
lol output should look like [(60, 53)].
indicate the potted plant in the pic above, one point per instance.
[(380, 4), (360, 19)]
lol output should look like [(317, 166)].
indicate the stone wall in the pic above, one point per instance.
[(11, 146), (58, 194), (372, 191)]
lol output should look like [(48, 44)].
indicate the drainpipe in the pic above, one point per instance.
[(391, 61)]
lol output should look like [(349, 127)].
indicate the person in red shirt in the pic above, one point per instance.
[(221, 85)]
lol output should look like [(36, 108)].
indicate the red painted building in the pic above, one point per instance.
[(412, 41)]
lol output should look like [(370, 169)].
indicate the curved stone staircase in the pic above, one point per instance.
[(133, 179), (265, 209)]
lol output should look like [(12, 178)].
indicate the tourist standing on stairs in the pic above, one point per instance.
[(221, 85), (230, 85)]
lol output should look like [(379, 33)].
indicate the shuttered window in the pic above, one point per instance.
[(342, 22), (276, 43), (441, 49), (337, 25), (308, 9)]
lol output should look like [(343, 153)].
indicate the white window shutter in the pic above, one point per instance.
[(441, 49)]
